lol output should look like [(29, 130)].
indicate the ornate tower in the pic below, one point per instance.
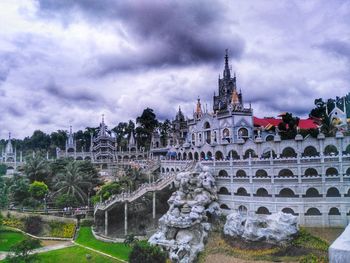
[(228, 95)]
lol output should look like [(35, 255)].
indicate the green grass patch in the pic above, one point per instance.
[(9, 237), (305, 239), (118, 250), (73, 254)]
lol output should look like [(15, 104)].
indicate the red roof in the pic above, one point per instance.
[(266, 122)]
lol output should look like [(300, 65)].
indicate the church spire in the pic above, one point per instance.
[(227, 74)]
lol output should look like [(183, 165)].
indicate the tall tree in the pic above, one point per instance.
[(147, 123), (71, 182), (36, 169)]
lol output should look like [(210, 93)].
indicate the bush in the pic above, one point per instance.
[(66, 200), (87, 222), (61, 229), (311, 258), (143, 252), (13, 222), (305, 239), (38, 190), (33, 225), (21, 251)]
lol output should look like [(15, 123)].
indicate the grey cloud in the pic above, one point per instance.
[(169, 33), (83, 98), (338, 48)]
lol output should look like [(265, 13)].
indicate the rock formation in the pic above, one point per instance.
[(184, 228), (277, 228)]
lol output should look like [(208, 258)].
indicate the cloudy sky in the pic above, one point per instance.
[(67, 62)]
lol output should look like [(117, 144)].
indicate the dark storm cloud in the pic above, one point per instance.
[(74, 95), (338, 48), (168, 33)]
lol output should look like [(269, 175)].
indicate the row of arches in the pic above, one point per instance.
[(313, 211), (288, 152), (284, 172), (285, 192)]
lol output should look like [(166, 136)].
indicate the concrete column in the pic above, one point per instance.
[(126, 218), (154, 205), (106, 223)]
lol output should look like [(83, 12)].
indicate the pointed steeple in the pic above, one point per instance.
[(9, 148), (227, 74), (103, 128)]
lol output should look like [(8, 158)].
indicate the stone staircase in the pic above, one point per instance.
[(160, 184)]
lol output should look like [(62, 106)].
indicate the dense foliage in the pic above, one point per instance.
[(21, 251), (143, 252)]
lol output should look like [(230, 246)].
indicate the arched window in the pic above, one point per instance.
[(262, 192), (288, 152), (313, 212), (193, 138), (288, 210), (179, 156), (172, 170), (234, 155), (242, 210), (261, 173), (263, 211), (285, 173), (312, 192), (209, 155), (249, 152), (334, 211), (348, 171), (190, 156), (330, 150), (226, 135), (225, 207), (196, 156), (269, 138), (206, 125), (333, 192), (219, 155), (267, 153), (332, 171), (310, 151), (311, 172), (242, 192), (224, 191), (243, 133), (287, 192), (184, 156), (163, 170), (347, 150), (202, 156), (223, 173), (241, 173), (167, 170)]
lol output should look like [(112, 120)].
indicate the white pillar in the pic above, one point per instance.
[(106, 223), (126, 218), (154, 205)]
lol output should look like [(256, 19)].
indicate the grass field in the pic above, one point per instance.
[(8, 238), (73, 254), (118, 250)]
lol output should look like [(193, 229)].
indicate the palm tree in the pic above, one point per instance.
[(72, 182), (36, 169)]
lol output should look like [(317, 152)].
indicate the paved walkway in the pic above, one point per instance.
[(43, 249)]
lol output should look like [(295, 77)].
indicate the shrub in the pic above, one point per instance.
[(305, 239), (33, 225), (311, 258), (66, 200), (38, 190), (143, 252), (13, 222), (87, 222), (21, 251), (61, 229)]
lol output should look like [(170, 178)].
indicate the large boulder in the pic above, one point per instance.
[(277, 228), (184, 228)]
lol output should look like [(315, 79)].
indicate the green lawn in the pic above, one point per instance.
[(9, 238), (118, 250), (73, 254)]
